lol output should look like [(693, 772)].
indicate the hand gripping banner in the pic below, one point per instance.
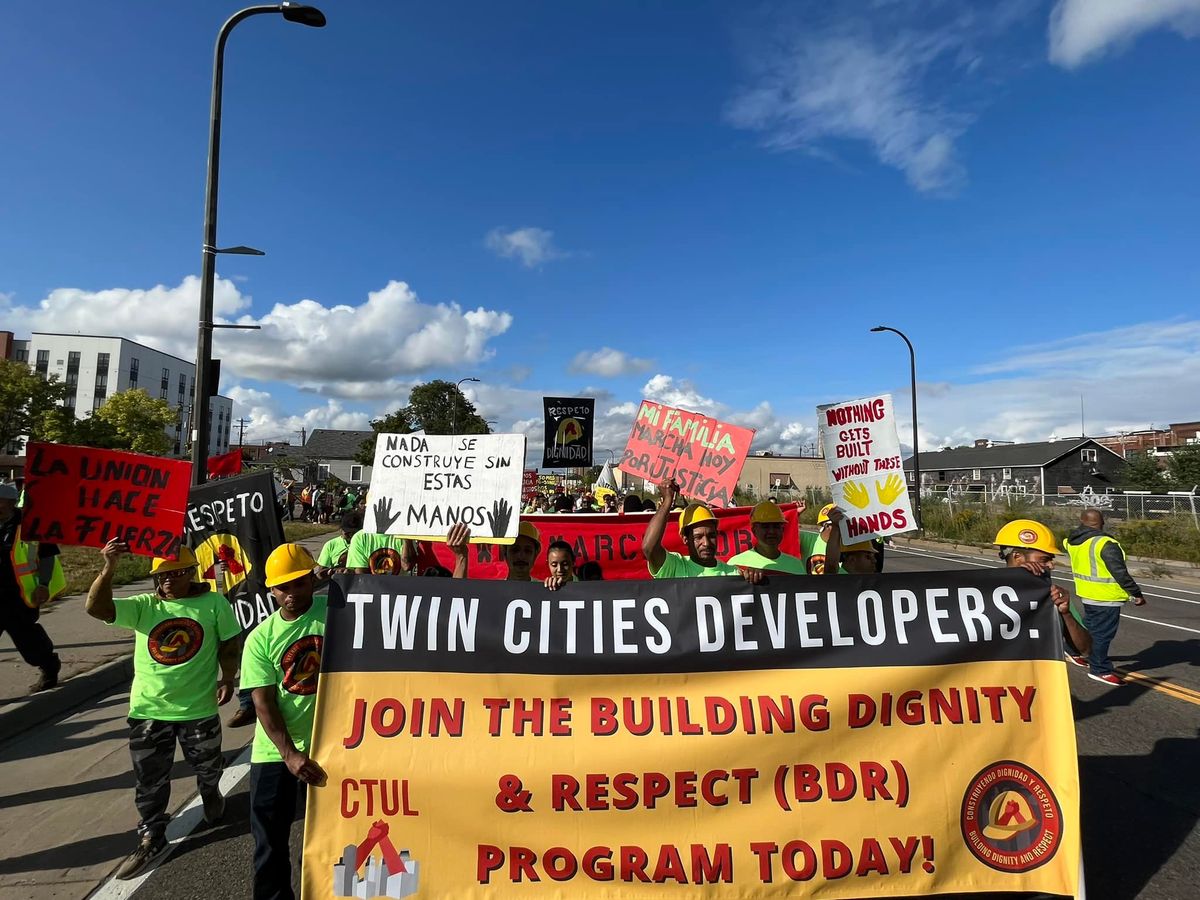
[(886, 736)]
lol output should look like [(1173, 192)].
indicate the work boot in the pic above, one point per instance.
[(147, 853), (244, 716), (214, 808), (49, 677)]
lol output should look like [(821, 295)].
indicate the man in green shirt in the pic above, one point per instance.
[(281, 664), (698, 528), (335, 555), (767, 524), (813, 544), (184, 631)]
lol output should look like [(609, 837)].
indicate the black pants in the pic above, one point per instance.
[(273, 791), (30, 638)]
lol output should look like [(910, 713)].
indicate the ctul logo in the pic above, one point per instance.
[(301, 665), (1010, 819), (361, 873), (173, 642)]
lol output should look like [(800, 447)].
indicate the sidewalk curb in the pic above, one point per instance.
[(23, 715)]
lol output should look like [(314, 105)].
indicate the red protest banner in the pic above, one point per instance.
[(615, 541), (529, 482), (85, 496), (226, 464), (704, 455)]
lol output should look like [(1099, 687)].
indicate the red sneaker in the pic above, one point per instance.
[(1110, 678), (1080, 661)]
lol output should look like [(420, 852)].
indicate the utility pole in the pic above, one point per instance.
[(303, 432), (241, 431)]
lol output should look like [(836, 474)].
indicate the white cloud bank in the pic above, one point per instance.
[(531, 246), (608, 363), (1082, 31)]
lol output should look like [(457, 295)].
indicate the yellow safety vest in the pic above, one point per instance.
[(25, 569), (1093, 580)]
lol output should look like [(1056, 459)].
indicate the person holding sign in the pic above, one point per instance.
[(30, 577), (560, 560), (698, 529), (184, 632), (813, 544), (281, 663), (852, 559), (523, 552), (767, 524)]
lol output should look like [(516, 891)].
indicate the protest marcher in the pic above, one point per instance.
[(1030, 545), (335, 552), (281, 663), (698, 529), (1103, 584), (767, 524), (31, 575), (851, 559), (379, 554), (306, 503), (631, 503), (522, 553), (591, 571), (814, 543), (185, 632), (560, 559), (562, 504)]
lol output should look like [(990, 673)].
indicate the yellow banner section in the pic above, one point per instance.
[(822, 783)]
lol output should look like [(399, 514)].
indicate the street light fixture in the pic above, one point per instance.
[(454, 404), (293, 12), (912, 358)]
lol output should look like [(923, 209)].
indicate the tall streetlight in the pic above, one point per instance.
[(454, 403), (912, 358), (293, 12)]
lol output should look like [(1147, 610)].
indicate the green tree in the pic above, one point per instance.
[(60, 426), (1183, 468), (1143, 474), (138, 421), (25, 398), (436, 407)]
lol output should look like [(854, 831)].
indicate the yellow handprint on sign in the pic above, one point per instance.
[(889, 489), (857, 494)]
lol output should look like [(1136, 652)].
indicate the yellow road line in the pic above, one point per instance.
[(1165, 687)]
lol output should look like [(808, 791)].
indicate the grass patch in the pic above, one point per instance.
[(81, 565), (298, 531)]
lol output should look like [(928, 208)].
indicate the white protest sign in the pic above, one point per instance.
[(866, 470), (421, 484)]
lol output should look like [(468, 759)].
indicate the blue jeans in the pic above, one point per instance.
[(1102, 622)]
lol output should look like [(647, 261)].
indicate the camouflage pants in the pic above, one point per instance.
[(152, 746)]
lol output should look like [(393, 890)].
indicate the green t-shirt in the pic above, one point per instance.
[(332, 552), (287, 656), (812, 549), (676, 566), (175, 655), (752, 559), (366, 544)]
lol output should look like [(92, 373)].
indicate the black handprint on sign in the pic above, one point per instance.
[(499, 517), (383, 515)]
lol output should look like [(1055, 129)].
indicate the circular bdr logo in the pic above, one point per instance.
[(1010, 818), (1028, 536), (301, 664), (384, 561), (175, 641)]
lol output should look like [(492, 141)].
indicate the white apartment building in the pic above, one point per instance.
[(98, 366)]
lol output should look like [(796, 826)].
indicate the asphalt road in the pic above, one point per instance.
[(1138, 748)]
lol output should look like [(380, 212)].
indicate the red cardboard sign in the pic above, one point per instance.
[(615, 541), (703, 455), (85, 496), (529, 482)]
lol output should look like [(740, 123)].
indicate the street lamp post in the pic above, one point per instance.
[(912, 357), (454, 404), (293, 12)]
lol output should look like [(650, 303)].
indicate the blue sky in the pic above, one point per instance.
[(705, 204)]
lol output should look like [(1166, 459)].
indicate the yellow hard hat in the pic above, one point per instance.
[(187, 560), (767, 513), (694, 514), (529, 530), (823, 515), (862, 547), (1008, 815), (1026, 533), (288, 562)]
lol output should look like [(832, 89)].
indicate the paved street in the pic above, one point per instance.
[(66, 812)]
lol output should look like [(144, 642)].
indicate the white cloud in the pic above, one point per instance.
[(354, 352), (532, 246), (680, 393), (608, 363), (269, 423), (1084, 30)]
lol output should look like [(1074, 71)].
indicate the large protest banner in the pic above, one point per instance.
[(615, 541), (704, 455), (86, 496), (233, 525), (866, 470), (421, 484), (899, 735), (569, 424)]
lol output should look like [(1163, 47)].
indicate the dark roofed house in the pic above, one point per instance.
[(1064, 466), (329, 452)]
